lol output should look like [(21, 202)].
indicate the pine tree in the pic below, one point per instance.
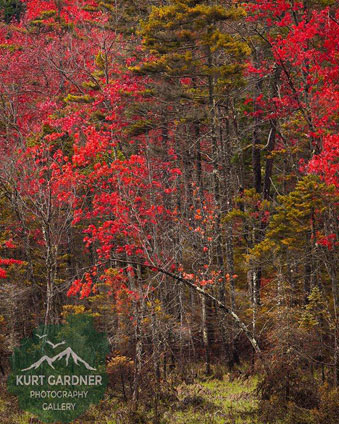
[(11, 9), (196, 61)]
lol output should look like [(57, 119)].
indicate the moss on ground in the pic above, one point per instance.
[(209, 401)]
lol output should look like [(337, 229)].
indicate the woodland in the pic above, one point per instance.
[(171, 168)]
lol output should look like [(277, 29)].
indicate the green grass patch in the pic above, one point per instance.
[(208, 401), (216, 402)]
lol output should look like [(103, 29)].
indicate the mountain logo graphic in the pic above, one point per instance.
[(60, 370), (67, 354)]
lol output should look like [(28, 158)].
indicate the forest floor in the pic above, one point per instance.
[(212, 401), (216, 402)]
